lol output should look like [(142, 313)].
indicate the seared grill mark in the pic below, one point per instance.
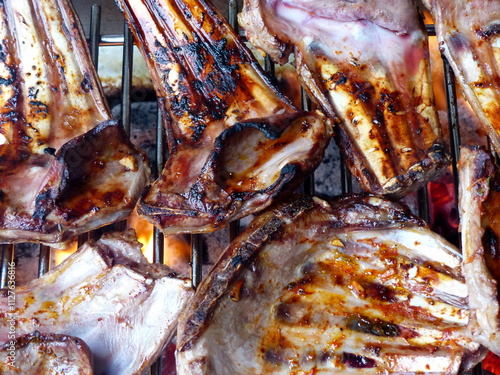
[(374, 327), (358, 361), (488, 31)]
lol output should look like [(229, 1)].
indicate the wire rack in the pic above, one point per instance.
[(96, 40)]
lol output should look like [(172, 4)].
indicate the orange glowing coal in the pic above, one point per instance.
[(176, 248), (491, 364)]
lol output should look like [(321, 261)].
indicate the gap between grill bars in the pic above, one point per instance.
[(197, 257)]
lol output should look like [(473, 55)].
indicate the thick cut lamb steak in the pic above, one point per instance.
[(366, 63), (234, 141), (65, 166), (355, 285)]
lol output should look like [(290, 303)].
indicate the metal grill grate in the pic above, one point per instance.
[(96, 40)]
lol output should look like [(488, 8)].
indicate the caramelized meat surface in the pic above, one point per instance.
[(367, 64), (65, 166), (468, 33), (234, 141), (354, 285)]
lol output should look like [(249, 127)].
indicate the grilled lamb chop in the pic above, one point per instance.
[(355, 285), (65, 166), (468, 32), (108, 295), (37, 354), (366, 63), (234, 141), (479, 194)]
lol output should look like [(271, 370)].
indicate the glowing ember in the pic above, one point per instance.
[(145, 233), (58, 256), (176, 247), (492, 364)]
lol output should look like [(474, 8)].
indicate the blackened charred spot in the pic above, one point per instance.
[(3, 54), (185, 10), (180, 105), (162, 54), (50, 151), (2, 196), (195, 52), (284, 313), (196, 194), (489, 30), (197, 132), (390, 101), (458, 42), (339, 78), (220, 83), (86, 84), (42, 205), (380, 292), (222, 55), (358, 361), (326, 356), (32, 93), (490, 242), (309, 268), (374, 327), (41, 107), (10, 78), (363, 91)]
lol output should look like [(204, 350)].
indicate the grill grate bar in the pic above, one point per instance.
[(196, 259), (127, 67), (453, 123), (7, 257), (95, 31), (44, 260)]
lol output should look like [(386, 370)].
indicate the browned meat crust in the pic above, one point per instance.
[(352, 284), (234, 141), (65, 166)]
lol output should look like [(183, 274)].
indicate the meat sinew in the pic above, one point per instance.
[(367, 63), (107, 294), (65, 166), (234, 141), (468, 33), (479, 194), (36, 354), (354, 285)]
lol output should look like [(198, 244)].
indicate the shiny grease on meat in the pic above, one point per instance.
[(468, 32), (65, 166), (367, 64), (354, 285), (234, 141)]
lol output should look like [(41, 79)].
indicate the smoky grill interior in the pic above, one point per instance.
[(37, 259)]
